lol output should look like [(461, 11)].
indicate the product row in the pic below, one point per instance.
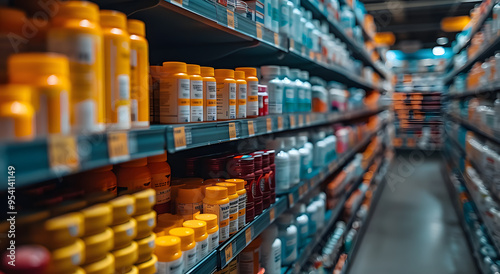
[(481, 75), (479, 112)]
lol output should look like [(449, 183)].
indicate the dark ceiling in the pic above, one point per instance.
[(417, 20)]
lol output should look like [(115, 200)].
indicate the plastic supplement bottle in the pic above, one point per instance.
[(302, 223), (76, 33), (189, 202), (196, 91), (308, 91), (271, 250), (289, 90), (168, 251), (217, 202), (160, 181), (210, 94), (282, 162), (174, 94), (252, 91), (16, 113), (188, 245), (133, 175), (263, 101), (270, 77), (212, 229), (241, 90), (226, 94), (288, 236), (300, 95), (233, 206), (294, 156), (116, 68), (200, 237), (139, 73), (242, 200), (249, 258)]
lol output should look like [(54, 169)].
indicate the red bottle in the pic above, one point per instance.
[(259, 183), (266, 190), (241, 167)]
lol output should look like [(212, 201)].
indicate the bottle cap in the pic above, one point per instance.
[(240, 183), (14, 92), (158, 158), (123, 207), (168, 248), (207, 72), (96, 218), (145, 224), (133, 270), (144, 201), (145, 247), (166, 218), (66, 259), (125, 257), (78, 10), (305, 75), (135, 163), (240, 75), (12, 20), (104, 266), (124, 233), (96, 246), (216, 192), (226, 73), (210, 220), (136, 27), (59, 231), (199, 227), (284, 71), (175, 67), (272, 71), (23, 67), (231, 188), (186, 235), (189, 193), (193, 69), (113, 19), (249, 71), (295, 74), (149, 266)]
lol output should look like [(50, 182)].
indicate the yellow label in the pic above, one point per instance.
[(259, 31), (271, 214), (280, 123), (196, 102), (276, 39), (230, 19), (224, 223), (308, 119), (251, 130), (398, 142), (253, 98), (269, 124), (290, 199), (232, 102), (180, 137), (292, 121), (242, 102), (232, 131), (212, 103), (118, 146), (292, 44), (311, 55), (248, 235), (63, 152), (183, 102), (229, 252)]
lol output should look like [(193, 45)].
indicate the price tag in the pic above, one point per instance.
[(230, 19), (118, 147), (292, 121), (301, 191), (269, 124), (276, 39), (398, 142), (229, 252), (410, 142), (259, 31), (251, 129), (301, 120), (248, 235), (417, 106), (311, 55), (290, 199), (308, 119), (180, 137), (271, 214), (280, 122), (232, 131), (63, 153), (292, 44)]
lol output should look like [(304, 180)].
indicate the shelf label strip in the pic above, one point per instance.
[(251, 129), (63, 153), (180, 137), (232, 131), (118, 147)]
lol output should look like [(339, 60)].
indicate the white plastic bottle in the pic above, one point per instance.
[(311, 210), (288, 235), (270, 77), (320, 201), (308, 30), (286, 10), (268, 14), (303, 22), (315, 36), (294, 157), (308, 91), (302, 223), (275, 15), (271, 250), (305, 150), (296, 26), (300, 91), (282, 162), (288, 90)]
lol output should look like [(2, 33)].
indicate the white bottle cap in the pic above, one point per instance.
[(295, 74), (285, 71), (289, 142), (305, 75), (271, 71)]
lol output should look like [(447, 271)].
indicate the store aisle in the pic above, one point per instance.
[(414, 228)]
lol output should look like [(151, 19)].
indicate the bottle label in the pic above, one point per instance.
[(242, 204), (282, 177), (196, 100), (290, 245), (201, 249), (275, 98), (222, 212), (189, 258), (161, 183), (213, 240), (188, 211), (242, 101), (174, 267), (253, 98), (226, 101), (174, 110), (211, 95), (233, 216)]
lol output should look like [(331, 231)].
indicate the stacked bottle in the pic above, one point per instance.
[(233, 206), (133, 175), (212, 228), (242, 200), (146, 222), (200, 236), (217, 202), (160, 181), (258, 183), (242, 167), (170, 256)]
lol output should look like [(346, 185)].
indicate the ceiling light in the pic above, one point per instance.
[(438, 51), (442, 41)]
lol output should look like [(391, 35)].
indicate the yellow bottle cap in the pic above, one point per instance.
[(113, 19), (169, 218), (158, 158), (144, 201), (60, 231), (249, 71), (135, 163), (79, 270), (239, 75), (67, 259), (123, 207), (96, 218), (78, 10), (145, 224), (136, 27), (148, 267), (124, 233), (193, 69), (175, 67), (216, 192), (189, 193), (199, 227), (186, 235), (96, 246), (168, 248), (15, 92), (23, 67), (240, 183), (133, 270), (125, 257), (231, 188), (226, 73), (146, 247), (11, 20), (104, 266), (207, 71), (210, 220)]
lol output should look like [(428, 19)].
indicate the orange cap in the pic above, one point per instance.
[(113, 19), (136, 27), (207, 71), (240, 183), (249, 71), (239, 75), (226, 73), (78, 10), (193, 69), (231, 188), (175, 67)]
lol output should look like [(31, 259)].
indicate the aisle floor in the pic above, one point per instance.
[(414, 228)]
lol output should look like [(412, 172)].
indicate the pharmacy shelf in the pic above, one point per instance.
[(203, 134), (482, 130), (489, 89)]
